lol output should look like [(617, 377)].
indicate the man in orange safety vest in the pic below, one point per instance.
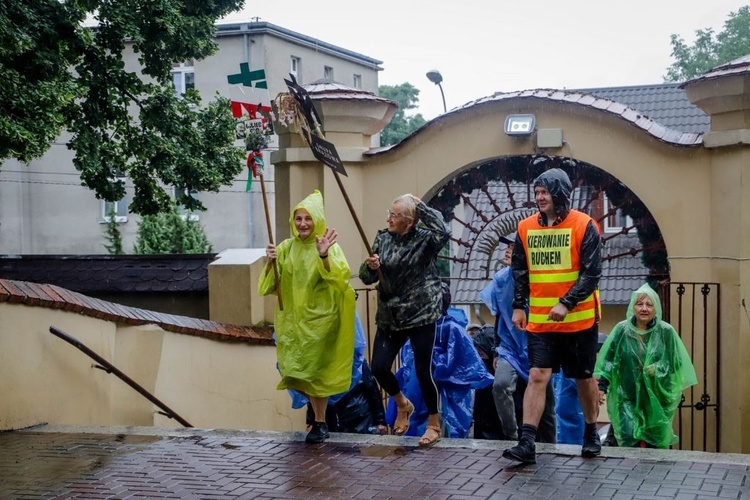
[(556, 265)]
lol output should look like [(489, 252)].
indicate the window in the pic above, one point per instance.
[(183, 76), (616, 221), (294, 67), (119, 208), (184, 212), (328, 73), (357, 83)]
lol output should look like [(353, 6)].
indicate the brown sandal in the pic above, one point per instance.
[(425, 441), (399, 427)]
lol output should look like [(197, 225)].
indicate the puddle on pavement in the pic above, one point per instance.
[(383, 451), (59, 459)]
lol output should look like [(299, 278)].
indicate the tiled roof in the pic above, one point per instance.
[(622, 269), (112, 273), (739, 66), (55, 297), (328, 90), (637, 117), (664, 103), (661, 110)]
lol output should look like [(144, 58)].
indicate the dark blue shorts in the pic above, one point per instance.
[(574, 352)]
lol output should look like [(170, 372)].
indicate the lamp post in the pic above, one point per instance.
[(435, 77)]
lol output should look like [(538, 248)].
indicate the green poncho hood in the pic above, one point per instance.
[(645, 289)]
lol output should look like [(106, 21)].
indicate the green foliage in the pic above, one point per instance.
[(57, 74), (401, 126), (169, 233), (710, 51), (112, 235)]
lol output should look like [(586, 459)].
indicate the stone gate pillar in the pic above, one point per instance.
[(352, 118), (724, 94)]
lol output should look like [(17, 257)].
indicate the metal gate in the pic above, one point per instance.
[(694, 311)]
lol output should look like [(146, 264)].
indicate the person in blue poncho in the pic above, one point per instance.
[(315, 330), (456, 368), (511, 357)]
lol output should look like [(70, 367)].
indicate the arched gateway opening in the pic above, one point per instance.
[(487, 200)]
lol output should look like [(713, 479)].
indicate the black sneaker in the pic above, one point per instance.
[(318, 433), (592, 446), (524, 452)]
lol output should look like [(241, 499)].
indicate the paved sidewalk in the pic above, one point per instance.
[(144, 462)]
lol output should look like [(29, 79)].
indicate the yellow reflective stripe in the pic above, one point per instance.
[(552, 277), (543, 302), (570, 318), (552, 301)]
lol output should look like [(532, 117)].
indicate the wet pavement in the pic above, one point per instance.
[(145, 462)]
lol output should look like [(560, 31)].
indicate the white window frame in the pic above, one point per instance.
[(182, 70), (608, 226), (357, 81), (191, 216), (328, 73), (294, 67), (120, 205)]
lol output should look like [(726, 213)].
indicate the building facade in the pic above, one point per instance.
[(45, 210)]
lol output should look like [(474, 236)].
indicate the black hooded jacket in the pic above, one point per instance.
[(558, 184)]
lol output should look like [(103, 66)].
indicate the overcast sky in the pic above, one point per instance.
[(481, 47)]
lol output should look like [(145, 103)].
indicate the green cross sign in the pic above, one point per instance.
[(246, 77)]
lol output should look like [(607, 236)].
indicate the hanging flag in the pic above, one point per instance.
[(255, 167)]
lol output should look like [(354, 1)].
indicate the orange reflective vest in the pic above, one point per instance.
[(554, 263)]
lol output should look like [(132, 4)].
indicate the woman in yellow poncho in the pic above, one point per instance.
[(643, 367), (315, 331)]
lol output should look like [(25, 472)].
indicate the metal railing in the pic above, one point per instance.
[(108, 367)]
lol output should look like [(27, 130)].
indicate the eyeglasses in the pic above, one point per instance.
[(391, 215)]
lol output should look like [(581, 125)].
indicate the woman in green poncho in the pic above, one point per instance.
[(315, 331), (643, 367)]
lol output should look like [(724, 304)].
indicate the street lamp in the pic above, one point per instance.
[(435, 77)]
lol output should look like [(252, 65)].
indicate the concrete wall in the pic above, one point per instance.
[(208, 383)]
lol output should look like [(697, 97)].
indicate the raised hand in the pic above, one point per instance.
[(326, 241)]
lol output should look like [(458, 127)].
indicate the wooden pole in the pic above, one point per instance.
[(381, 277), (270, 238)]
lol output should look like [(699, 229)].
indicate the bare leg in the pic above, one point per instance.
[(404, 409), (319, 430), (432, 434), (319, 406), (401, 400), (534, 400), (588, 394), (536, 395)]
